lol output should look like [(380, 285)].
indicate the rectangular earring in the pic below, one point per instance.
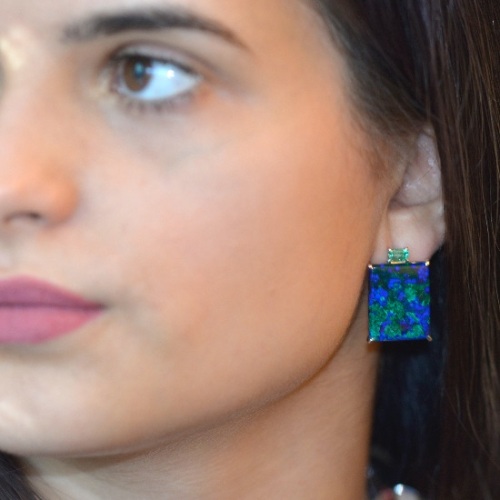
[(399, 299)]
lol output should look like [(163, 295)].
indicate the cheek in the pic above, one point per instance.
[(252, 255)]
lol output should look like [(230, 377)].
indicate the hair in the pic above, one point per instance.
[(416, 64), (435, 63)]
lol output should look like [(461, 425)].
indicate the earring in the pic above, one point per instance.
[(399, 299)]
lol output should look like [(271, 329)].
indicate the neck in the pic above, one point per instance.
[(311, 444)]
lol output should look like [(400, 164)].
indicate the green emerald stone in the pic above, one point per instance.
[(398, 255)]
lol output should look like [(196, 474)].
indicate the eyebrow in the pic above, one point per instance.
[(149, 19)]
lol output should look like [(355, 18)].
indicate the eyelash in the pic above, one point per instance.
[(115, 72)]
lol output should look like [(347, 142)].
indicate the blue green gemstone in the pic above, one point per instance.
[(399, 302)]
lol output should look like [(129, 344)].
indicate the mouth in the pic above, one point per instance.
[(33, 311)]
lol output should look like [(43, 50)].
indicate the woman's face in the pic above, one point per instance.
[(195, 169)]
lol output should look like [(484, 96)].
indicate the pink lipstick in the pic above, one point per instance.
[(33, 311)]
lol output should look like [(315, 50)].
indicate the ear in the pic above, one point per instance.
[(414, 216)]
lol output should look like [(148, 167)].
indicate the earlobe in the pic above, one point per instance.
[(414, 216)]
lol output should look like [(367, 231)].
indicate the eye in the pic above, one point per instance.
[(149, 79)]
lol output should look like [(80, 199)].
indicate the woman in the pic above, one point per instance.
[(191, 193)]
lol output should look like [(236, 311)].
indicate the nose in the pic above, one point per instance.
[(34, 199), (37, 189)]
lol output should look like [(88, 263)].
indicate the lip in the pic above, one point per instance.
[(33, 311)]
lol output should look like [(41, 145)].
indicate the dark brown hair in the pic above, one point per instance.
[(416, 63)]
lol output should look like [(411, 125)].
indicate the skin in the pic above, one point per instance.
[(226, 233)]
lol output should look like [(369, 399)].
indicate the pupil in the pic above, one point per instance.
[(137, 73)]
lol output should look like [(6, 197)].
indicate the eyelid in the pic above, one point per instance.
[(159, 52), (123, 56)]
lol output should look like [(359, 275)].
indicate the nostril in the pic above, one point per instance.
[(33, 216), (27, 216)]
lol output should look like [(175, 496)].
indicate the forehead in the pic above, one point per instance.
[(250, 17)]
